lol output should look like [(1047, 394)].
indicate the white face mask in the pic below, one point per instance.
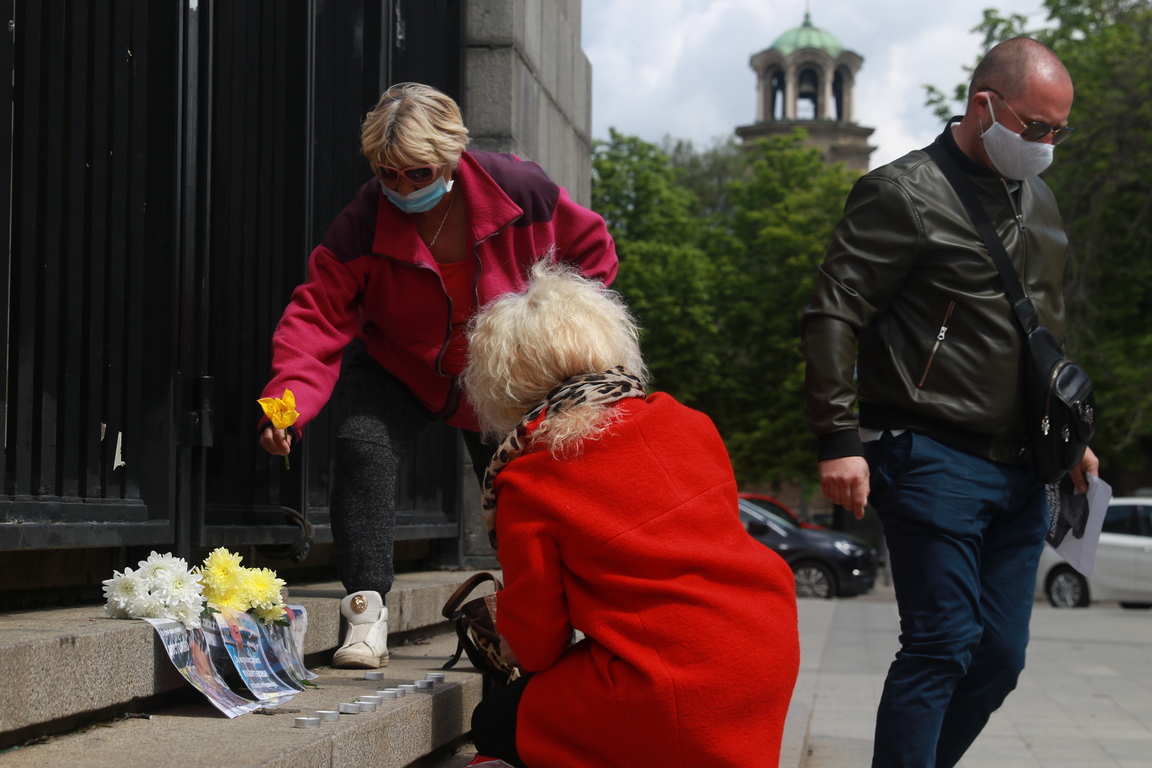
[(1013, 157)]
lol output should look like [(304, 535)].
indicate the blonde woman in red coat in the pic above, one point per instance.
[(615, 513)]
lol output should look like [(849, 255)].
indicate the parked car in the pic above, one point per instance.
[(826, 563), (1123, 570), (778, 508)]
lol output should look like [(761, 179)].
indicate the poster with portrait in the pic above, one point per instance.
[(242, 637), (1075, 521), (190, 654)]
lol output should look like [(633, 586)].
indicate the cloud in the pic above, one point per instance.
[(680, 67)]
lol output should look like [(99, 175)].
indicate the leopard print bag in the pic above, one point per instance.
[(475, 622)]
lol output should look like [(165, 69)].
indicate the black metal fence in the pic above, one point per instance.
[(171, 166)]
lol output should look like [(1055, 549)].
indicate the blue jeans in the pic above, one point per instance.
[(964, 537)]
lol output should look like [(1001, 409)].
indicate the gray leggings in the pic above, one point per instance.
[(376, 428)]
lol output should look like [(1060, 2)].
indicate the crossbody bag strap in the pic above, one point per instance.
[(451, 610), (962, 185)]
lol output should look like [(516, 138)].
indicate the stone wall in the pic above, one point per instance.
[(528, 86), (527, 90)]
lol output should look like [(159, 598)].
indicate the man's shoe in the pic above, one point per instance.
[(366, 632)]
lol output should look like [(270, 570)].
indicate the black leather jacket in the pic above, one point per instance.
[(908, 279)]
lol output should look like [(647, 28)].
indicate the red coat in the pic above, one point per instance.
[(692, 646)]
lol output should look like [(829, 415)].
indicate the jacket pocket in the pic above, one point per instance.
[(939, 340)]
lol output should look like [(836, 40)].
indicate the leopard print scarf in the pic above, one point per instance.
[(586, 389)]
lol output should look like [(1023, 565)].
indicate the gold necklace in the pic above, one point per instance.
[(451, 200)]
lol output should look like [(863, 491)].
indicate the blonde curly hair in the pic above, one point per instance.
[(413, 124), (522, 345)]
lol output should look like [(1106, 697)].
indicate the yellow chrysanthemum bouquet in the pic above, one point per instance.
[(227, 584)]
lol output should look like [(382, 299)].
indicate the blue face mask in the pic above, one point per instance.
[(422, 200)]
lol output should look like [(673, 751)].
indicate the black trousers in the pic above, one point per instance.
[(378, 421), (494, 723)]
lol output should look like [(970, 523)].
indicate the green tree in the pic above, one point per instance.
[(718, 254), (782, 216), (1102, 178), (666, 273), (707, 174)]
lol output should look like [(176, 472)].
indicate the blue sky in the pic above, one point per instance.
[(680, 67)]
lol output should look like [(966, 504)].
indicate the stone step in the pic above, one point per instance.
[(65, 667), (193, 733)]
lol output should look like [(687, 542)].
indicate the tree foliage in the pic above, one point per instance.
[(1102, 178), (666, 271), (718, 254)]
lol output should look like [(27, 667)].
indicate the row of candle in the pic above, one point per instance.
[(369, 703)]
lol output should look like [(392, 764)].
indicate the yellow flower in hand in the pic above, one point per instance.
[(281, 411)]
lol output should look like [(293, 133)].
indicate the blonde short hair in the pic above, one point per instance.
[(413, 124), (522, 345)]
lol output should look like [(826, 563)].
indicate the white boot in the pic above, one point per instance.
[(366, 632)]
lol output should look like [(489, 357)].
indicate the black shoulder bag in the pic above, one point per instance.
[(1058, 393)]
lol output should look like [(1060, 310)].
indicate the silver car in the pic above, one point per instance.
[(1123, 570)]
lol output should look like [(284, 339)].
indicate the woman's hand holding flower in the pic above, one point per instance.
[(281, 412)]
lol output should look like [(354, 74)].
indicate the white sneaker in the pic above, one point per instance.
[(365, 632)]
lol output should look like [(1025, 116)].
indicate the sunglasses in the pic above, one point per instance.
[(417, 174), (1035, 131)]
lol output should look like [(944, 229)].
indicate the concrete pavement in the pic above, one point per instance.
[(1083, 701)]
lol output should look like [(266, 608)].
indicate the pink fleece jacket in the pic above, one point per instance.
[(373, 278)]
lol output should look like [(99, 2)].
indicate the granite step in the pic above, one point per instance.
[(67, 669)]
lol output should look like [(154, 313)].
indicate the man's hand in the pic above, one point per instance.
[(1089, 465), (275, 441), (845, 482)]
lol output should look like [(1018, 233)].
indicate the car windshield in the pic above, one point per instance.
[(759, 513)]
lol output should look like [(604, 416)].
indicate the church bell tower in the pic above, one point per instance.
[(806, 80)]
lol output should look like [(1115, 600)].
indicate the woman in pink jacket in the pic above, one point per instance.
[(437, 233), (615, 513)]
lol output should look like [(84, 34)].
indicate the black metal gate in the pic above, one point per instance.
[(171, 166)]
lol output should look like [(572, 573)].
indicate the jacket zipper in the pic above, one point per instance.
[(1020, 226), (456, 392), (939, 338)]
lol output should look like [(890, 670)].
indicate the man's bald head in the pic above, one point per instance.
[(1011, 68)]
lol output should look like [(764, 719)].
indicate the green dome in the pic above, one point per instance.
[(808, 36)]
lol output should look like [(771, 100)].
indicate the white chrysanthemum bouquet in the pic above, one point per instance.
[(163, 587)]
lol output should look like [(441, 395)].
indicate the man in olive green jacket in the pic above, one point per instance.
[(937, 380)]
